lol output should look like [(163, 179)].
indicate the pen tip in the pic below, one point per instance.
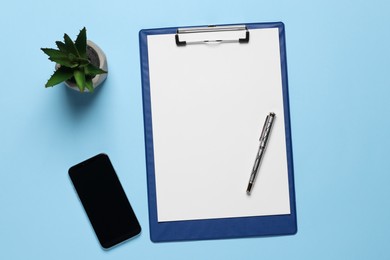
[(248, 190)]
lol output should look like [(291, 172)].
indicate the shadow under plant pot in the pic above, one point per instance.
[(98, 59)]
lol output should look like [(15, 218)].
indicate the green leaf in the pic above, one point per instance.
[(92, 70), (70, 45), (81, 43), (60, 75), (67, 50), (89, 85), (59, 57), (72, 57), (65, 62), (77, 60), (79, 76), (53, 53), (61, 46), (83, 62)]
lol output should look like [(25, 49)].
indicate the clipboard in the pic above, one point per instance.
[(206, 91)]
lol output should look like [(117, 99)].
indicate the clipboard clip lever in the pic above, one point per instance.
[(241, 29)]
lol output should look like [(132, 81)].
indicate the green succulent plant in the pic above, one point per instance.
[(74, 63)]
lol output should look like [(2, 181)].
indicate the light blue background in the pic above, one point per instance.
[(338, 64)]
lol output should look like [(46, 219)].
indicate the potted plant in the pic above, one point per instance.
[(81, 64)]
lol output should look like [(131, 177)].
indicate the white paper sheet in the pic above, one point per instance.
[(209, 103)]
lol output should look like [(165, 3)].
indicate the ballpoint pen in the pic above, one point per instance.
[(264, 137)]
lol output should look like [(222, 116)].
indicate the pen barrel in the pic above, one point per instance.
[(256, 165)]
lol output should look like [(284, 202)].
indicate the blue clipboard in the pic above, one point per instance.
[(233, 227)]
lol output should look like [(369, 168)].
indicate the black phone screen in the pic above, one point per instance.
[(104, 200)]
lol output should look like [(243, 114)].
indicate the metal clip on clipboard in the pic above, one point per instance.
[(211, 29)]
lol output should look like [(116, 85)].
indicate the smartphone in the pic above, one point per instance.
[(104, 200)]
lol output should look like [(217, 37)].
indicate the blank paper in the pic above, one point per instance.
[(209, 103)]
